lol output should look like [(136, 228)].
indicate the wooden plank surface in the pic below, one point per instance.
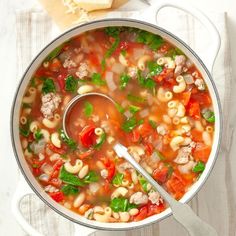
[(215, 203)]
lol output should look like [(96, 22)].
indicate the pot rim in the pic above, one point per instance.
[(149, 220)]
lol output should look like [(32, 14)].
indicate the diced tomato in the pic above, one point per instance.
[(155, 209), (56, 168), (58, 196), (36, 172), (176, 185), (43, 72), (196, 135), (202, 98), (87, 136), (86, 154), (164, 48), (92, 57), (135, 136), (56, 182), (186, 97), (161, 174), (84, 208), (107, 186), (143, 213), (61, 81), (158, 78), (55, 65), (201, 152), (149, 148), (193, 109), (110, 166), (55, 149), (145, 129)]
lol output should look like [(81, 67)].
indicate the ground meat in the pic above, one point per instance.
[(180, 62), (68, 63), (139, 198), (200, 84), (184, 154), (104, 173), (155, 198), (124, 166), (50, 103), (82, 71)]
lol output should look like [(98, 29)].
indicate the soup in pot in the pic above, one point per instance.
[(162, 112)]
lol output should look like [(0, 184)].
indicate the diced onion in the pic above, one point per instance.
[(117, 68), (128, 114), (138, 52), (188, 79), (144, 113), (150, 99), (46, 168), (154, 157), (94, 187), (44, 177), (110, 81), (38, 147)]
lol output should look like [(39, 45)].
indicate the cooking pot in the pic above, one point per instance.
[(204, 68)]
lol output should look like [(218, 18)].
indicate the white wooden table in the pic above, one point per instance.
[(220, 206)]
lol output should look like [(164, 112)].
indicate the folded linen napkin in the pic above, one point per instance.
[(35, 29)]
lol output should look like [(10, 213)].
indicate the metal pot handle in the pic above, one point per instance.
[(156, 6), (23, 190)]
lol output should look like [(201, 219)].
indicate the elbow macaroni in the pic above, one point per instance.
[(31, 97), (176, 142), (74, 169), (142, 62), (181, 85), (55, 140), (51, 124)]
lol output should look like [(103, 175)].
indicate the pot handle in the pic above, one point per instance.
[(23, 190), (183, 5)]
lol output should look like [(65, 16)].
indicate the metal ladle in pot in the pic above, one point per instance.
[(181, 212), (75, 101)]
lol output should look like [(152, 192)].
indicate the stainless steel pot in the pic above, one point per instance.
[(151, 14)]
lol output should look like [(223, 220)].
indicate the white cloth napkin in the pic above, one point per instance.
[(35, 29)]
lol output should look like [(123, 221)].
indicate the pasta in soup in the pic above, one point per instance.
[(163, 114)]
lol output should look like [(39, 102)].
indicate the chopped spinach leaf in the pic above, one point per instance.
[(117, 179), (97, 79), (143, 183), (152, 123), (54, 53), (133, 109), (69, 178), (119, 108), (102, 139), (113, 31), (113, 47), (154, 68), (91, 177), (70, 142), (24, 129), (129, 124), (209, 116), (124, 79), (121, 205), (134, 98), (199, 167), (145, 82), (69, 190), (71, 84), (48, 86), (88, 109), (173, 52), (38, 135), (152, 40)]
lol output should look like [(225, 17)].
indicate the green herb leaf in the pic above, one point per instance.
[(69, 190), (143, 183), (152, 40), (113, 47), (71, 84), (145, 82), (123, 52), (24, 129), (134, 98), (199, 167), (129, 124), (124, 79), (97, 79), (133, 109), (88, 109), (54, 53), (91, 177), (119, 108), (117, 179), (48, 86), (70, 142), (121, 205), (153, 124), (209, 116), (102, 139), (38, 135), (154, 68), (69, 178), (112, 31)]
